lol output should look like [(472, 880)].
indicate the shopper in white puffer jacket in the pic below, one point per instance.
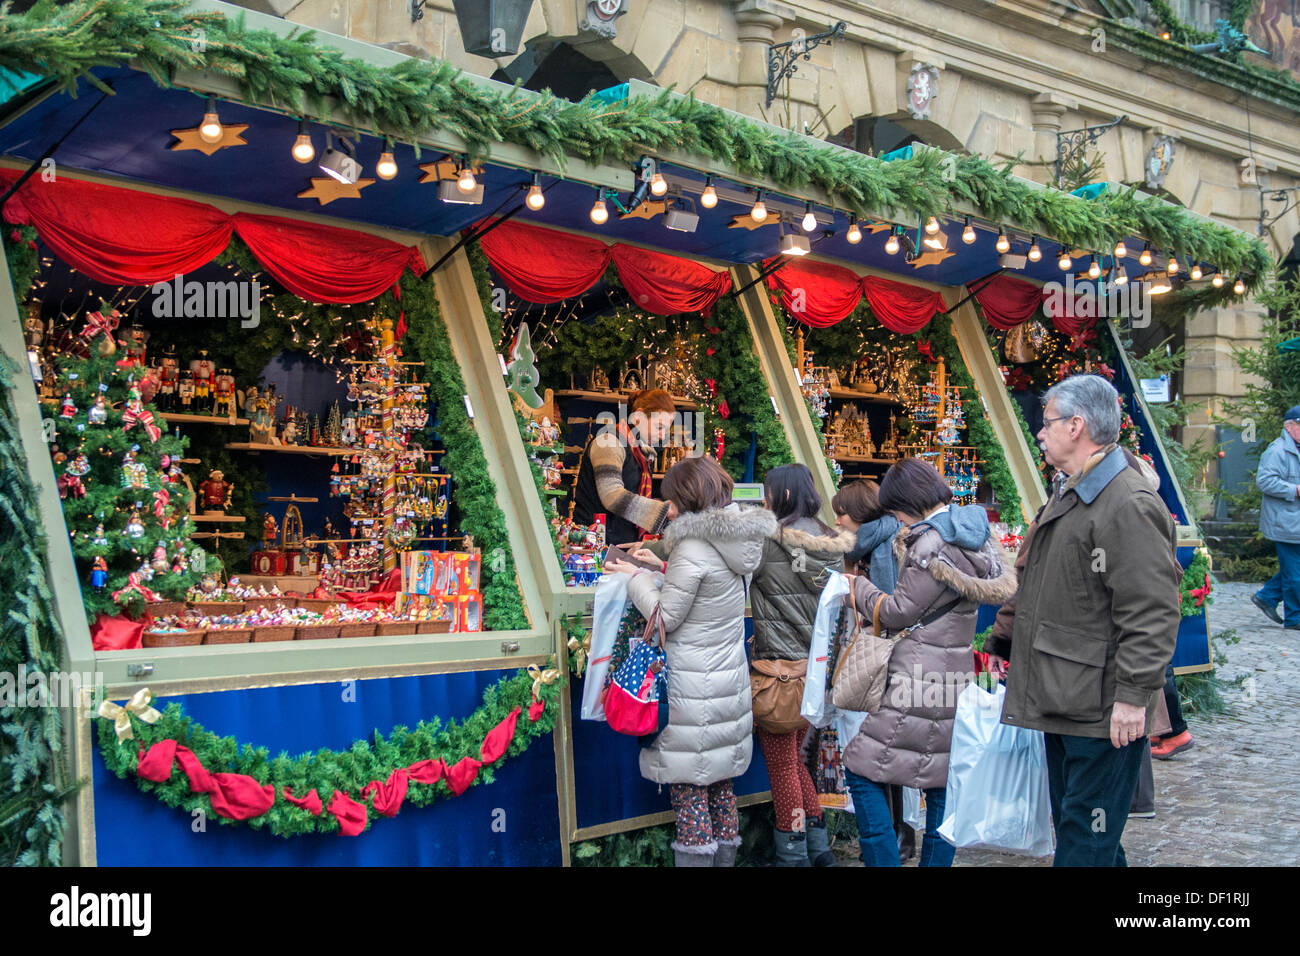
[(712, 546)]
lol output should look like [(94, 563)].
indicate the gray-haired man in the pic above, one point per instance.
[(1278, 479), (1094, 622)]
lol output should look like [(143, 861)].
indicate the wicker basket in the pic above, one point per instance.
[(157, 609), (319, 605), (388, 628), (269, 603), (228, 635), (316, 632), (356, 630), (209, 608), (176, 639), (277, 632), (432, 627)]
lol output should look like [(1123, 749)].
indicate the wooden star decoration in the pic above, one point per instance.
[(326, 189), (931, 257), (647, 210), (231, 135), (874, 227), (748, 222), (444, 169)]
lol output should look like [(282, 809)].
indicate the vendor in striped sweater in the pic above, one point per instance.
[(617, 471)]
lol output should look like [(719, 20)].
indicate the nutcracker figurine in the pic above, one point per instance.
[(185, 391), (169, 377), (204, 370), (269, 532), (224, 391), (214, 493)]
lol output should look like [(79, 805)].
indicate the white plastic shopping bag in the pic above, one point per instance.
[(611, 602), (997, 795), (817, 707), (914, 808)]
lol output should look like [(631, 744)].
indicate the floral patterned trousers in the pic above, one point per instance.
[(706, 816)]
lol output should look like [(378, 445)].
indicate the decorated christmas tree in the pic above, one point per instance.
[(124, 499)]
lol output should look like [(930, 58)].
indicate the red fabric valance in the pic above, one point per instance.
[(901, 307), (1007, 301), (818, 294), (132, 237), (546, 265)]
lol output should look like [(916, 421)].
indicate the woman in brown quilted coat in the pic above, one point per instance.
[(949, 564)]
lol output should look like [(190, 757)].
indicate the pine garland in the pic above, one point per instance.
[(416, 97), (33, 774), (1195, 577), (329, 770)]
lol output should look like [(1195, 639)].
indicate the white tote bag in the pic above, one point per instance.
[(914, 808), (997, 795), (611, 603), (817, 707)]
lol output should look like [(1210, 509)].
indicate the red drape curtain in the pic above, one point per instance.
[(666, 285), (901, 307), (1007, 301), (131, 237), (818, 294), (546, 265)]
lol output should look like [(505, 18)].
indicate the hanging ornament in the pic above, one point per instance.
[(719, 443), (99, 573), (134, 527), (79, 466), (68, 409), (159, 563), (135, 474), (98, 413), (99, 541)]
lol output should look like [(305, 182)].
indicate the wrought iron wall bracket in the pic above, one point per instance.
[(1072, 144), (782, 58)]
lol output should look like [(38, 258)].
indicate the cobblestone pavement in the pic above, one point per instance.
[(1234, 799)]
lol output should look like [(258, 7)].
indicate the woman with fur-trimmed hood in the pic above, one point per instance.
[(797, 559), (949, 564), (712, 546)]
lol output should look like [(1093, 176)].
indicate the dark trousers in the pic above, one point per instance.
[(876, 828), (1091, 785), (1285, 585), (1176, 723)]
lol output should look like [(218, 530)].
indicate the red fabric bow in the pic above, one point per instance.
[(311, 803), (134, 584), (723, 410), (145, 418), (926, 350), (97, 322), (235, 796), (712, 383), (1202, 593), (71, 485), (160, 500), (350, 814)]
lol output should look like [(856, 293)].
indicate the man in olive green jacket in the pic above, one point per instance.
[(1094, 623)]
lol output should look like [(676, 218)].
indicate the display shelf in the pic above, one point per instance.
[(614, 398), (290, 449), (302, 583), (217, 519), (862, 460), (182, 417), (848, 394)]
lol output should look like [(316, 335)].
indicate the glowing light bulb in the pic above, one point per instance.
[(535, 200), (1172, 267), (1035, 253), (854, 234), (809, 220), (1003, 244), (968, 233), (1121, 250), (1120, 277), (303, 150), (931, 226), (386, 168), (709, 198), (891, 244), (658, 185), (1145, 257), (1196, 272), (1239, 286), (466, 182), (759, 212), (1065, 261), (1094, 270), (1217, 281), (210, 130), (599, 214)]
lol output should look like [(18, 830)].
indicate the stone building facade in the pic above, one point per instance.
[(1008, 77)]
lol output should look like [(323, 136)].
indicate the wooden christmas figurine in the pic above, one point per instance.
[(214, 493)]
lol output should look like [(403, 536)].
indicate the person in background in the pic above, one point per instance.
[(1094, 623), (786, 590), (1278, 479), (1179, 737), (949, 564), (617, 472), (857, 509), (712, 547)]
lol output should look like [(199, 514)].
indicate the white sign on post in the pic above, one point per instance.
[(1156, 390)]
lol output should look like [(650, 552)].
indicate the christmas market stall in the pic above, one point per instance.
[(309, 344)]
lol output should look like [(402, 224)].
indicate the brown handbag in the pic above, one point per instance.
[(777, 689), (860, 676)]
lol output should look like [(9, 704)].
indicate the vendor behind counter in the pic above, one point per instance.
[(617, 470)]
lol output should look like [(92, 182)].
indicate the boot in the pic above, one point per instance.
[(906, 844), (693, 856), (819, 845), (726, 855), (791, 848)]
